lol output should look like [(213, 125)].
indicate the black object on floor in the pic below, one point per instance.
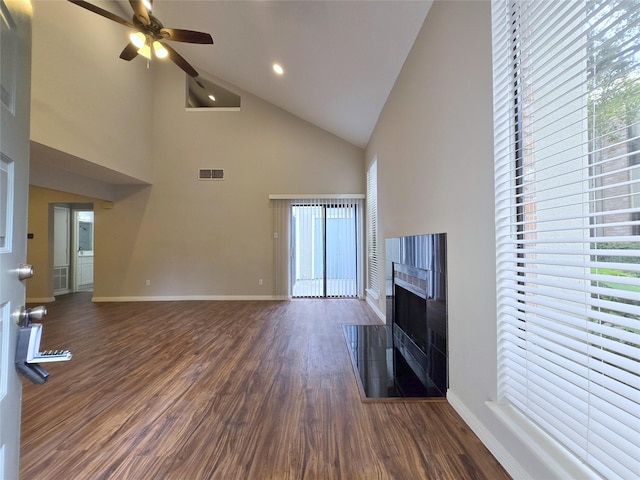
[(382, 370)]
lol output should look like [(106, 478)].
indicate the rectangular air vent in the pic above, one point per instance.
[(210, 174)]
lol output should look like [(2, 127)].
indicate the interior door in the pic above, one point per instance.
[(61, 250), (15, 74)]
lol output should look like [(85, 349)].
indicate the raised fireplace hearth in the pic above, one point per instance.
[(416, 290), (407, 357), (381, 370)]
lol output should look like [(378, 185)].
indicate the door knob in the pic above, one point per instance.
[(26, 316), (24, 271)]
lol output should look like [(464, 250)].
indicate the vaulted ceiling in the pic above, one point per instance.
[(340, 58)]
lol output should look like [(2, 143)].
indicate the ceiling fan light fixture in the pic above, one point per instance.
[(146, 34), (145, 51), (159, 50), (138, 39), (278, 68)]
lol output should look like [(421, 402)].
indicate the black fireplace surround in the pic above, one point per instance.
[(416, 290), (407, 357)]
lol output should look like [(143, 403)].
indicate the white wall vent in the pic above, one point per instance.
[(210, 174)]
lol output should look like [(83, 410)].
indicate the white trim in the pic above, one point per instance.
[(510, 464), (548, 451), (187, 298), (553, 455), (298, 196), (372, 293), (40, 300), (375, 308)]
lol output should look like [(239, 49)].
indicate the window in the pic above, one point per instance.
[(567, 116), (373, 283), (325, 248), (318, 245)]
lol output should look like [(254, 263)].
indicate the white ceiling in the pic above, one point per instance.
[(341, 57)]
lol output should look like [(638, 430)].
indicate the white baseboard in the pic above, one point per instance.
[(186, 298), (555, 458), (375, 309), (41, 300), (510, 464)]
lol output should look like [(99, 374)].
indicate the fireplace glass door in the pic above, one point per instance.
[(324, 242)]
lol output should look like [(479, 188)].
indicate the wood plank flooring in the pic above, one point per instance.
[(226, 390)]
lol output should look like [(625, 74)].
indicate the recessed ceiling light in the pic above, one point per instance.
[(212, 98), (278, 69)]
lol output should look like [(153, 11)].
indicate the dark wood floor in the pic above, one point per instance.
[(226, 390)]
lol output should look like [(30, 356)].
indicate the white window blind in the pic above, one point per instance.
[(325, 245), (567, 174), (373, 275), (318, 245)]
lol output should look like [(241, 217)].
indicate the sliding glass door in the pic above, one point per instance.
[(324, 247)]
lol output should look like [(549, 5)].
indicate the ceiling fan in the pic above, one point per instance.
[(148, 38)]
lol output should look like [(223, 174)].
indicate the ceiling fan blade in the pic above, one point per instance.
[(140, 11), (104, 13), (188, 36), (130, 52), (181, 62)]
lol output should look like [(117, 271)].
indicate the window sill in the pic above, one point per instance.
[(553, 455)]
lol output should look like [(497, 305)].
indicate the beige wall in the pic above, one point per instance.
[(187, 237), (196, 238), (40, 247), (85, 101), (434, 145)]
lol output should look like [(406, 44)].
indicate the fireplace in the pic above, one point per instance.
[(417, 306), (408, 356)]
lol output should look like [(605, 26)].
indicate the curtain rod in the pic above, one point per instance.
[(293, 196)]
